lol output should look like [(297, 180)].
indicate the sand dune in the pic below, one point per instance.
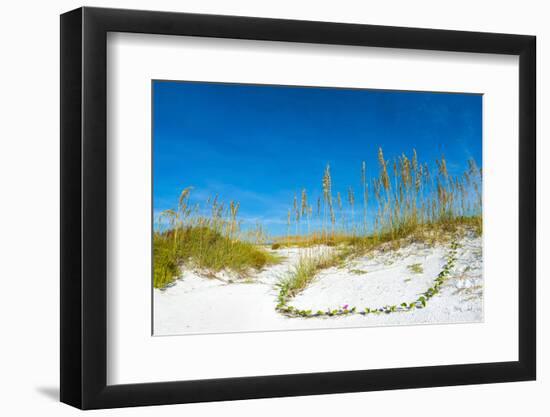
[(225, 303)]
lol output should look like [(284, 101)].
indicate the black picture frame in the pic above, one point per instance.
[(84, 207)]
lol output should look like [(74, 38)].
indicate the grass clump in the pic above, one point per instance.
[(416, 268), (305, 271), (166, 264), (303, 274), (205, 249), (212, 243)]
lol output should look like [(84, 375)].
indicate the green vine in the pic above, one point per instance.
[(284, 297)]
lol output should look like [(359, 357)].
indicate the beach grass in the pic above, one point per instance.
[(406, 200), (429, 233), (209, 243), (205, 249), (305, 271), (411, 202), (404, 197)]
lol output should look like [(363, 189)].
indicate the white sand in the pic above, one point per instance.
[(197, 304)]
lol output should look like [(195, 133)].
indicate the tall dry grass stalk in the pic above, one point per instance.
[(404, 196)]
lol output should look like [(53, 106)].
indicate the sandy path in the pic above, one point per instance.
[(200, 305)]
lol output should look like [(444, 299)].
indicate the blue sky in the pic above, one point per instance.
[(260, 144)]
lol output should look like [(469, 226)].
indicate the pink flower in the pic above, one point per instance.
[(345, 307)]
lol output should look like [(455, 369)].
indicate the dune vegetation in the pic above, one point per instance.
[(406, 197), (410, 203), (210, 243), (406, 200)]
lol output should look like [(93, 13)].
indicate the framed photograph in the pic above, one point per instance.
[(257, 208)]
